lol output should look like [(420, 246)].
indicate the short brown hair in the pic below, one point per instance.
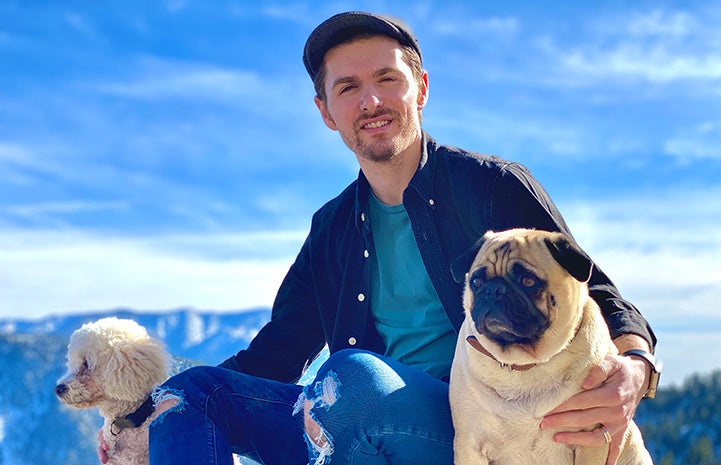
[(409, 55)]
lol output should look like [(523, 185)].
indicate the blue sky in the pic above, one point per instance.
[(168, 153)]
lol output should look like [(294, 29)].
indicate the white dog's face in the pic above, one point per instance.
[(108, 361)]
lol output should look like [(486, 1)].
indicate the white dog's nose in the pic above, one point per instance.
[(61, 389)]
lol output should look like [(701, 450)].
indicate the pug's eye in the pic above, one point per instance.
[(477, 278), (528, 281)]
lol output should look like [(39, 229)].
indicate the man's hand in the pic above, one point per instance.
[(611, 393), (103, 448)]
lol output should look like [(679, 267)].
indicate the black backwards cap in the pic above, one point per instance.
[(344, 26)]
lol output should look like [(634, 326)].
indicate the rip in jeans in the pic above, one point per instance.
[(320, 395), (166, 401)]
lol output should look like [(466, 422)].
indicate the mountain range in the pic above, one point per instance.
[(35, 428), (682, 426)]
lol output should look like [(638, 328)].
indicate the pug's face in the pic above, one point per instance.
[(525, 293)]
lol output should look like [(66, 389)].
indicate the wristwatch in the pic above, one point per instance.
[(655, 370)]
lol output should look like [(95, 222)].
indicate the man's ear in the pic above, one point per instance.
[(325, 114), (423, 91)]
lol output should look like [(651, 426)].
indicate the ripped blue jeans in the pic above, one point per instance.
[(367, 410)]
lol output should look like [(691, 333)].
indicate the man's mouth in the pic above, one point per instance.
[(376, 124)]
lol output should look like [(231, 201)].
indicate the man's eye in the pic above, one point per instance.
[(345, 89)]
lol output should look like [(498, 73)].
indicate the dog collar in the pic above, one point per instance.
[(477, 345), (133, 420)]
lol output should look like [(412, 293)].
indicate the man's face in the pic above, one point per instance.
[(372, 100)]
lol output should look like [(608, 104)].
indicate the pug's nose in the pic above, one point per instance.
[(494, 289)]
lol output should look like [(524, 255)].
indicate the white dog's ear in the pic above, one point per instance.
[(134, 368)]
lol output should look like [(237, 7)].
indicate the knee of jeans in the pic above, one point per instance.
[(166, 401), (350, 364), (321, 395), (170, 397)]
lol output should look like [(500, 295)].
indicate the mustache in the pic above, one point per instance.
[(377, 114)]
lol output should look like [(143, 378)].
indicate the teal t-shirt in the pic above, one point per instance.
[(406, 309)]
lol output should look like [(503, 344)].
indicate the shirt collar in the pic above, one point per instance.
[(421, 182)]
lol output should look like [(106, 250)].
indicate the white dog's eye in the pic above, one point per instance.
[(85, 366)]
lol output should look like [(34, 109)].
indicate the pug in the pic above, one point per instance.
[(530, 336)]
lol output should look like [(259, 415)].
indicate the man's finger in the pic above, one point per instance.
[(600, 373), (574, 418), (614, 451), (592, 438), (584, 400)]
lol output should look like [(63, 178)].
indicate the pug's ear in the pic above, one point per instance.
[(461, 264), (570, 257)]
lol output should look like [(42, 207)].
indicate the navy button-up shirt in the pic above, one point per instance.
[(452, 200)]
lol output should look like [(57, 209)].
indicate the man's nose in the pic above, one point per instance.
[(370, 101)]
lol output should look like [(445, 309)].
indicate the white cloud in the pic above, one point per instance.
[(40, 210), (13, 152), (149, 130), (683, 353), (662, 250), (625, 47), (188, 82), (52, 272), (662, 23), (651, 63), (656, 46), (296, 13), (471, 28), (175, 6), (700, 142), (80, 25), (29, 165), (508, 134)]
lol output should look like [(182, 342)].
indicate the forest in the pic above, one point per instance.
[(682, 425)]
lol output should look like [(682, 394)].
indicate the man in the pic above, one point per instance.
[(373, 281)]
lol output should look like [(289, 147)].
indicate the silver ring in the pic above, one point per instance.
[(606, 433)]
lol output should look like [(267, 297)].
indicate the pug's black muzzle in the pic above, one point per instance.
[(504, 313)]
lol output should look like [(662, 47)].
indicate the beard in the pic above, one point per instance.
[(382, 148)]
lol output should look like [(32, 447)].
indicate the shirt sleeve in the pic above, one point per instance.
[(518, 200), (293, 337)]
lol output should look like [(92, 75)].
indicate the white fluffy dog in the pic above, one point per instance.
[(114, 365)]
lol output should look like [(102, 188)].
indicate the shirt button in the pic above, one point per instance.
[(352, 341), (432, 202), (363, 216), (361, 297), (366, 254)]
